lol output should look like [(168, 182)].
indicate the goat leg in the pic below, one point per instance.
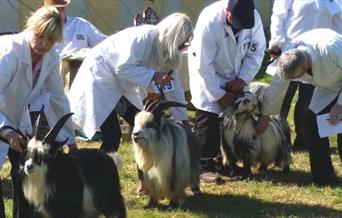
[(152, 203), (286, 169), (174, 204), (247, 173)]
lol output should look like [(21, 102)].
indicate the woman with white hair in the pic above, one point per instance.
[(27, 65), (115, 68)]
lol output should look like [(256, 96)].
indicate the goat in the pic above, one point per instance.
[(239, 141), (166, 152), (84, 183)]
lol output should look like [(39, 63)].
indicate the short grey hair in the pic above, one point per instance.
[(291, 62)]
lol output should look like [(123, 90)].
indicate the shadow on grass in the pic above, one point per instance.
[(292, 178), (6, 186), (242, 206)]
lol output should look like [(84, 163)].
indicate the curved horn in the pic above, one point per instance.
[(162, 105), (152, 105), (36, 124), (147, 104), (52, 134)]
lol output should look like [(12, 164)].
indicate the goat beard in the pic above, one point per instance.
[(35, 187), (144, 156)]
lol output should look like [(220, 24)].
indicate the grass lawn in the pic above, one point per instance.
[(276, 195)]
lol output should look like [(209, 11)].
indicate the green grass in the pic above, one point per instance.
[(276, 195)]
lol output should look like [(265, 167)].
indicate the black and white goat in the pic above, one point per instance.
[(84, 183), (239, 141), (166, 152)]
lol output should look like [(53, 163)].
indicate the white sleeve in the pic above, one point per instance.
[(253, 59), (278, 21), (274, 95), (95, 36), (201, 58), (59, 104), (129, 64), (8, 65)]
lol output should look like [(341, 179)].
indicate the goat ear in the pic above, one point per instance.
[(52, 134), (56, 147), (35, 130)]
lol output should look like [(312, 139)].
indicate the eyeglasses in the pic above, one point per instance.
[(184, 45)]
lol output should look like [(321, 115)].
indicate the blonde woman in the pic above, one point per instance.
[(27, 64), (114, 68)]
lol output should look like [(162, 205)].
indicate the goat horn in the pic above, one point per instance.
[(36, 124), (147, 104), (151, 105), (52, 134), (162, 105)]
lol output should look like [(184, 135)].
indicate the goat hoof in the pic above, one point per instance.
[(286, 170), (151, 204), (173, 205), (196, 191)]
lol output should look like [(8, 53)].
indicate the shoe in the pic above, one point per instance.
[(81, 135), (97, 137)]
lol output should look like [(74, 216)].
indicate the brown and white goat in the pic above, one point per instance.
[(84, 183), (166, 152), (240, 143)]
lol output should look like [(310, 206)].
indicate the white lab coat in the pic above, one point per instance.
[(215, 57), (78, 33), (326, 60), (112, 69), (290, 18), (16, 91), (176, 94)]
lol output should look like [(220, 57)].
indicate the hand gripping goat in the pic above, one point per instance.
[(239, 141), (166, 152), (84, 183)]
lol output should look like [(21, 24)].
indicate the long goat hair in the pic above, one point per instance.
[(166, 152), (239, 141), (84, 183)]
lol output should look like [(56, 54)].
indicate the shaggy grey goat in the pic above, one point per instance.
[(83, 183), (166, 152), (239, 141)]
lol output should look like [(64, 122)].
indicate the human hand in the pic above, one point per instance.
[(15, 141), (335, 114), (72, 147), (162, 78), (274, 51), (236, 86), (227, 99), (262, 124)]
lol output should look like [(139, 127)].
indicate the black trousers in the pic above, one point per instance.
[(207, 129), (319, 150), (305, 92), (111, 129)]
